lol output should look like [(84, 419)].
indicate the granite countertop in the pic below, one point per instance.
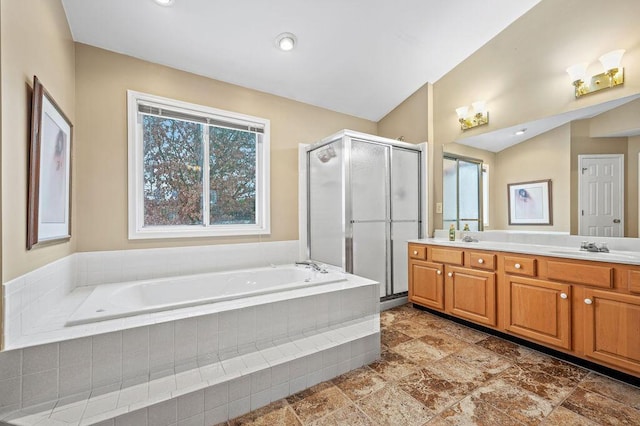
[(614, 256)]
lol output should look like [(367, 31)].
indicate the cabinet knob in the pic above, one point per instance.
[(563, 295), (450, 274), (415, 252), (588, 301), (480, 260), (517, 266), (439, 272)]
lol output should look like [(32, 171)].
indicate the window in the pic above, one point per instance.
[(462, 192), (195, 170)]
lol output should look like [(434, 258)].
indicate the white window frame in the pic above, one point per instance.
[(137, 230)]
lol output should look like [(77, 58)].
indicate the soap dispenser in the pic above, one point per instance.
[(452, 232)]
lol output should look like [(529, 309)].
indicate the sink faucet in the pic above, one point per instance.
[(313, 265), (592, 247)]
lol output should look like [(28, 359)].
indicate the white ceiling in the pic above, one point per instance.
[(359, 57), (500, 139)]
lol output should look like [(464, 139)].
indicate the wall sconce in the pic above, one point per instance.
[(472, 117), (611, 77)]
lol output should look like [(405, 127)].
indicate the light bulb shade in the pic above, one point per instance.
[(612, 59), (462, 112), (577, 71), (164, 2), (479, 107)]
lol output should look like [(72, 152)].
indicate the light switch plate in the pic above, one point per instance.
[(438, 207)]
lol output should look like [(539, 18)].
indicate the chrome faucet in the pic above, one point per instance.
[(592, 247), (313, 265)]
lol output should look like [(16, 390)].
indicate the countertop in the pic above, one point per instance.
[(614, 256)]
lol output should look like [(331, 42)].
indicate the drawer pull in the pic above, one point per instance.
[(588, 301), (415, 252), (450, 274), (481, 261), (439, 272), (517, 266), (563, 295)]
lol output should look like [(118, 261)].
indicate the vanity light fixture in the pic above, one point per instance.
[(472, 117), (286, 41), (612, 76), (164, 2)]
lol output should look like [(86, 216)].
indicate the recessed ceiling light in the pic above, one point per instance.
[(164, 2), (520, 132), (286, 41)]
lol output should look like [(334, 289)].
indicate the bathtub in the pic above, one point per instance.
[(111, 301)]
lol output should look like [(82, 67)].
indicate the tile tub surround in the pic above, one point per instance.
[(258, 354), (37, 303)]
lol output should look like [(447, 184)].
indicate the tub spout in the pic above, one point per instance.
[(313, 265)]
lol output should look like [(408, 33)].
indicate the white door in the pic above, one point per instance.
[(601, 200)]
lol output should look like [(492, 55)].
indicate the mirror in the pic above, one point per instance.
[(551, 148)]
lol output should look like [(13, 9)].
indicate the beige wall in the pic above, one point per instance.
[(35, 40), (546, 156), (102, 79), (409, 120), (633, 186), (521, 72)]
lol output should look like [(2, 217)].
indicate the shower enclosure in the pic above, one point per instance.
[(364, 201)]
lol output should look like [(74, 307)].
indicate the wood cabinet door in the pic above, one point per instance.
[(538, 310), (612, 328), (471, 294), (426, 286)]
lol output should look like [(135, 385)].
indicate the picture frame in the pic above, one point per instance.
[(530, 203), (49, 190)]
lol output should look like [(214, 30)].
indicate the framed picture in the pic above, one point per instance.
[(49, 197), (530, 203)]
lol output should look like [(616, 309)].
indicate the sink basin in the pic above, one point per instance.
[(594, 254)]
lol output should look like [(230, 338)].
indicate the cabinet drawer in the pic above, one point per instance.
[(520, 265), (417, 252), (452, 257), (482, 260), (634, 281), (597, 276)]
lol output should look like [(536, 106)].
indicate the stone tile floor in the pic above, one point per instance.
[(436, 372)]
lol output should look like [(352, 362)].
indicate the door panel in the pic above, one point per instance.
[(471, 294), (601, 195), (370, 252), (427, 284)]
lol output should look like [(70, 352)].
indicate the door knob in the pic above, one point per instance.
[(616, 220), (588, 301), (563, 295), (517, 266)]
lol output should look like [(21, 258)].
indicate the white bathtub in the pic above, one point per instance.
[(110, 301)]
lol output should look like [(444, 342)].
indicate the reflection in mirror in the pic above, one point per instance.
[(552, 152), (462, 193)]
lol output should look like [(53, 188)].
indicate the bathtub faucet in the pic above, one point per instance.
[(313, 265)]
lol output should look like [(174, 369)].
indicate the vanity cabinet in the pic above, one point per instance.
[(612, 328), (584, 308), (471, 294), (538, 310)]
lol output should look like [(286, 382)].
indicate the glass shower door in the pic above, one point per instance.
[(369, 218)]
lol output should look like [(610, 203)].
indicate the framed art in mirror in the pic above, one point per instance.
[(530, 203), (49, 194)]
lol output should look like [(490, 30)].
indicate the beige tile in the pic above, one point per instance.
[(391, 406), (436, 394), (419, 352), (318, 401), (524, 406), (276, 413), (618, 391), (505, 348), (349, 415), (601, 409), (483, 359), (412, 328), (444, 342), (459, 331), (359, 383), (564, 417), (458, 372), (393, 366), (390, 337), (552, 366), (470, 412), (553, 389)]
